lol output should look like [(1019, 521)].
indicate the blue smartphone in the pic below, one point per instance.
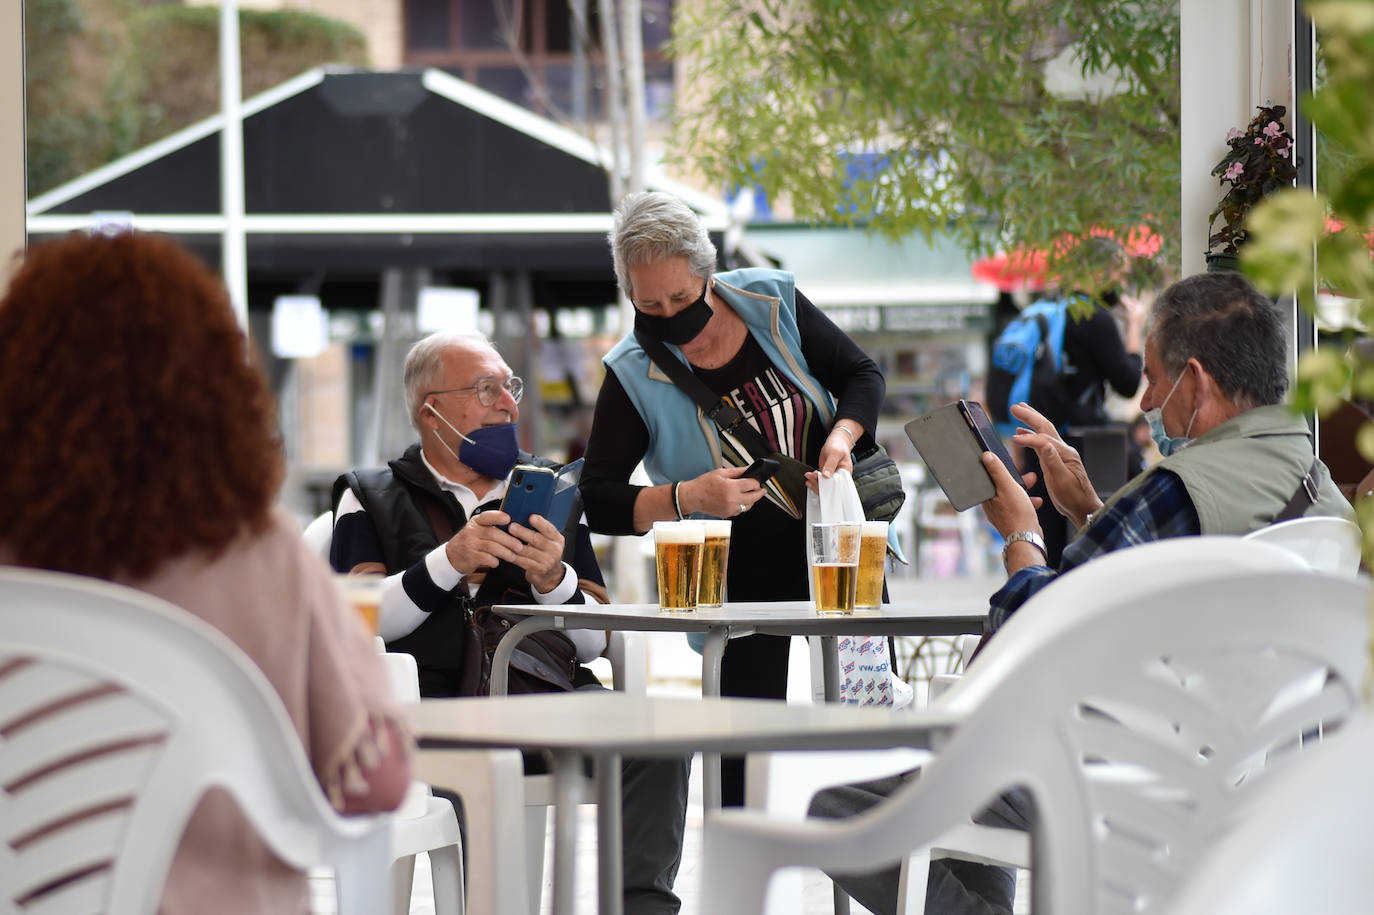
[(541, 491)]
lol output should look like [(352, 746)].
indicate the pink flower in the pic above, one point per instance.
[(1234, 171), (1283, 152), (1234, 134), (1273, 129), (1259, 141)]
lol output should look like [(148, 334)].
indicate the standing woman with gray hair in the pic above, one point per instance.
[(754, 341)]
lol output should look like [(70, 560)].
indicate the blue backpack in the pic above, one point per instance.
[(1027, 364)]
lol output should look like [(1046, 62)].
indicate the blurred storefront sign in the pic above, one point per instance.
[(932, 318)]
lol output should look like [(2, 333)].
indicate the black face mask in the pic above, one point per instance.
[(681, 328)]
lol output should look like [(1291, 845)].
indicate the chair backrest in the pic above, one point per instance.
[(1304, 845), (1327, 543), (1228, 669), (118, 711), (319, 535)]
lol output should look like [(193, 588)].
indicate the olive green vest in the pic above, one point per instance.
[(1241, 474)]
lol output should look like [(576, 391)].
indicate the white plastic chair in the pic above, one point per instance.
[(485, 783), (319, 535), (119, 711), (1131, 718), (784, 783), (425, 823), (1326, 543), (1304, 845)]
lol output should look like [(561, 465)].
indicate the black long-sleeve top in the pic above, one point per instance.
[(767, 553)]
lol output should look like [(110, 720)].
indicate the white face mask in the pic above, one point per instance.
[(1169, 444)]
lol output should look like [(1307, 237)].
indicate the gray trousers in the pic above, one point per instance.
[(953, 887), (653, 794)]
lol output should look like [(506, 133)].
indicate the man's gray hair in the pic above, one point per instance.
[(1236, 333), (650, 227), (424, 369)]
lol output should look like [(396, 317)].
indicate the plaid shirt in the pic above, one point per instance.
[(1159, 508)]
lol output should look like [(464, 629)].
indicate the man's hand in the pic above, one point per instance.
[(481, 543), (1070, 489), (542, 555), (723, 493), (1012, 509)]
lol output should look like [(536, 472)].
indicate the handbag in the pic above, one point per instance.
[(879, 483), (543, 662), (875, 474)]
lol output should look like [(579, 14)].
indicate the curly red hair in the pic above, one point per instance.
[(133, 428)]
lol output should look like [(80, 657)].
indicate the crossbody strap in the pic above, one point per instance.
[(726, 417), (1305, 496)]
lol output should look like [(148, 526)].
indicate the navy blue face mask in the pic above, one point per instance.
[(489, 450), (681, 328)]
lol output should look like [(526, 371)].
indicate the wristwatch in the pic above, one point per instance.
[(1030, 537)]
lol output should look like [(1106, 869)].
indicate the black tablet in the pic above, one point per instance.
[(951, 440)]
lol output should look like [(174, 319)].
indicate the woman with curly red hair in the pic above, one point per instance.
[(139, 445)]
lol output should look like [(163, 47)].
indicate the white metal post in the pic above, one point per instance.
[(234, 250)]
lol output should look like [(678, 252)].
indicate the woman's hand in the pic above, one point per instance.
[(722, 493), (835, 453)]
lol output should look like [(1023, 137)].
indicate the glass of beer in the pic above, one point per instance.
[(678, 546), (364, 594), (872, 556), (715, 553), (834, 555)]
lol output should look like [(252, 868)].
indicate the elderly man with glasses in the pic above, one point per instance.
[(431, 522)]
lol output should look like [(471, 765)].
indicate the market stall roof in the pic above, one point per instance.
[(360, 170)]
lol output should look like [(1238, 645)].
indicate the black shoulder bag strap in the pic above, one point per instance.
[(1305, 497), (725, 416)]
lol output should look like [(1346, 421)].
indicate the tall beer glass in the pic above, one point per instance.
[(715, 553), (872, 553), (364, 594), (834, 556), (677, 558)]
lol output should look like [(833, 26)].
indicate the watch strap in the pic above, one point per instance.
[(1030, 537)]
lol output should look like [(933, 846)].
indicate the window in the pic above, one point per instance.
[(465, 37)]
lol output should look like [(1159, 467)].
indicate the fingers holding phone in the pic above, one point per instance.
[(482, 543), (542, 553), (1012, 508)]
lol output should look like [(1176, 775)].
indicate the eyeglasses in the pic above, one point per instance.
[(489, 390)]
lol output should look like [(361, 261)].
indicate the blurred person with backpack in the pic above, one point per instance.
[(1059, 356)]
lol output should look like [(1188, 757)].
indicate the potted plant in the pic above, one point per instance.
[(1259, 160)]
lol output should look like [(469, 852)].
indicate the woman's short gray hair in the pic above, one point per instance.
[(650, 227), (424, 368), (1237, 334)]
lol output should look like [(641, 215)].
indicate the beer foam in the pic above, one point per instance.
[(679, 532), (875, 529), (716, 527)]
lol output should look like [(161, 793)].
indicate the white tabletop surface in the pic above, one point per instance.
[(608, 722), (944, 612)]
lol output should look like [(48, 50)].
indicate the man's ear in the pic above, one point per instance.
[(427, 418), (1205, 389)]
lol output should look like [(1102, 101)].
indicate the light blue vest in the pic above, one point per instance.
[(683, 442)]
